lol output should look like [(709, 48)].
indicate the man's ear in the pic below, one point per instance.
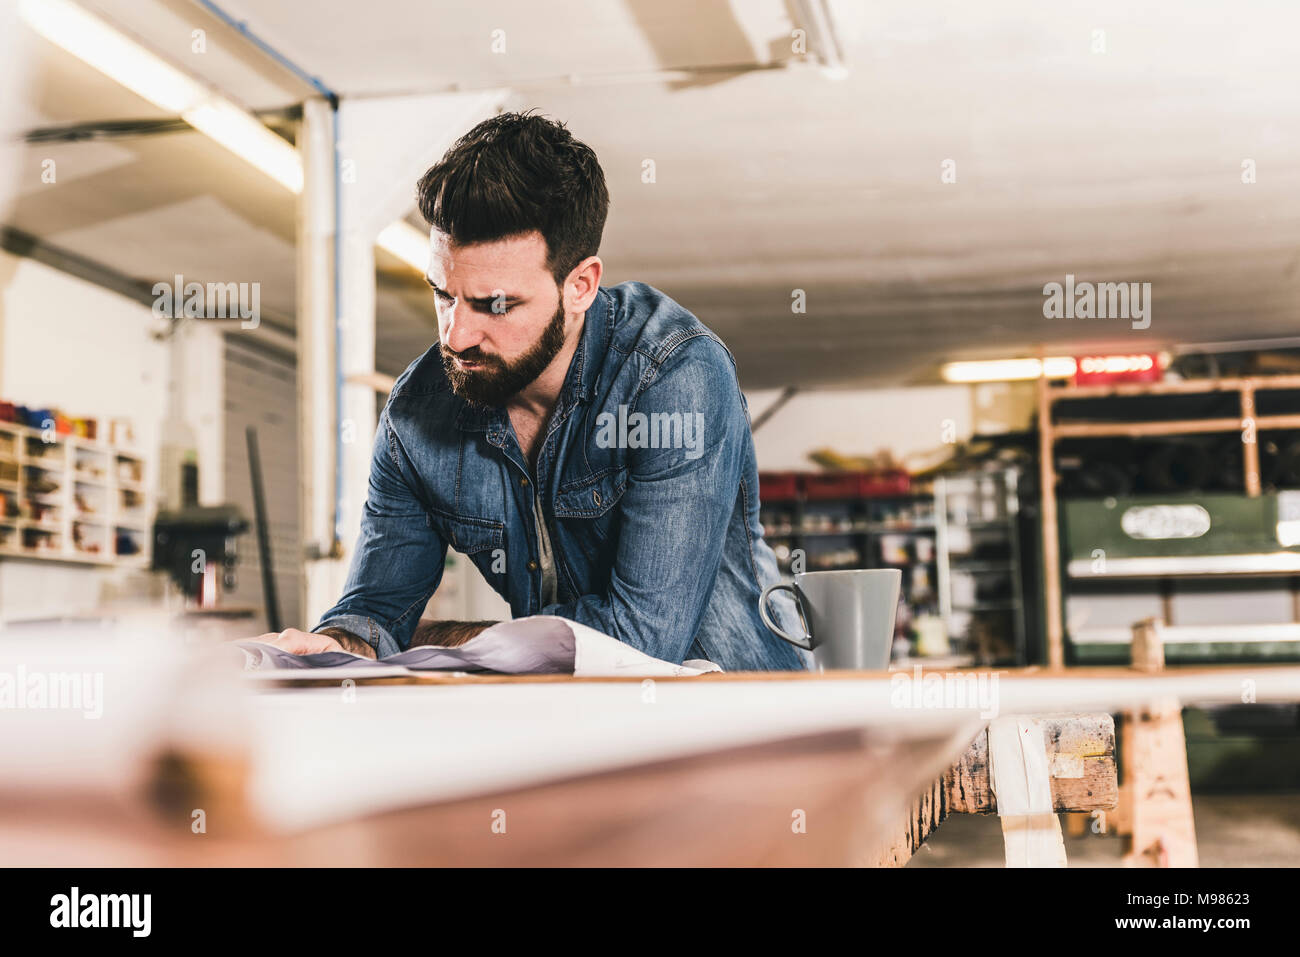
[(582, 285)]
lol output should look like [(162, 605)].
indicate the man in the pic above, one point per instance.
[(587, 448)]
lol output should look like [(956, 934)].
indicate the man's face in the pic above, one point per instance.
[(500, 314)]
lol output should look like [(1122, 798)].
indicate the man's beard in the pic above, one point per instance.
[(497, 381)]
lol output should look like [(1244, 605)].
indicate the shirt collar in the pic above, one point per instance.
[(579, 383)]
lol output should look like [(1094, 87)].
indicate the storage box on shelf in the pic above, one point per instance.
[(1195, 548), (69, 498)]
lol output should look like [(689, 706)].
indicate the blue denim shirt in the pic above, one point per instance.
[(645, 478)]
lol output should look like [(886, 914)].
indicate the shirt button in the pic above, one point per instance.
[(532, 566), (523, 482)]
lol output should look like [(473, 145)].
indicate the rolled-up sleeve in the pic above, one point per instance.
[(398, 562)]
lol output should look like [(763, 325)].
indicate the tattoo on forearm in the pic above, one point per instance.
[(447, 634)]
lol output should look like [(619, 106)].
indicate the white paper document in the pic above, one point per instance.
[(538, 645)]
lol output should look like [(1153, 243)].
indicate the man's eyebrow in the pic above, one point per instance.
[(476, 300)]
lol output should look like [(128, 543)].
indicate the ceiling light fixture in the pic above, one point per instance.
[(137, 68), (131, 64), (406, 243), (1008, 370)]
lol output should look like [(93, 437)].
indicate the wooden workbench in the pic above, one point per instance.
[(487, 770)]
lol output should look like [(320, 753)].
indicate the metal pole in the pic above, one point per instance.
[(269, 598)]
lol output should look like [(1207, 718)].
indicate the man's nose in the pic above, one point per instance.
[(460, 330)]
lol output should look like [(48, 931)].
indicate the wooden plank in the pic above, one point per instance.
[(1160, 798), (1097, 430), (1250, 441), (1147, 650), (1122, 674), (808, 800), (927, 812), (1081, 749), (1177, 387), (1146, 654), (1050, 528), (1156, 797), (1020, 774), (1121, 822)]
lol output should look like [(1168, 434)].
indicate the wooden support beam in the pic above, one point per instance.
[(1147, 652), (1050, 529), (1250, 440), (1081, 755), (381, 383), (1158, 792), (1178, 387), (1099, 430), (1155, 805), (1102, 430)]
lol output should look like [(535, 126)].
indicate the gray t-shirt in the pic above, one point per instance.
[(545, 557)]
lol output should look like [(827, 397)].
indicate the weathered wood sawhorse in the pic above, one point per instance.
[(1038, 765)]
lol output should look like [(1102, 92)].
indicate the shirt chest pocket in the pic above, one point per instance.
[(590, 503), (466, 534)]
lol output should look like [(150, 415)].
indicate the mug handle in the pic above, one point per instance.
[(806, 642)]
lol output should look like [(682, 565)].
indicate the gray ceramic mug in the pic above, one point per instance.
[(848, 616)]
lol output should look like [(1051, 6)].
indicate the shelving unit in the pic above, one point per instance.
[(981, 590), (1248, 424), (70, 499), (840, 524)]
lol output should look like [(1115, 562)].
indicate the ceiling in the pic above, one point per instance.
[(1123, 165)]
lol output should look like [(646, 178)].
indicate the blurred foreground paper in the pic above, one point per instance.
[(538, 645), (92, 710)]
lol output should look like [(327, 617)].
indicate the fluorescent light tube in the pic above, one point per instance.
[(1008, 370), (243, 134), (138, 69), (406, 243)]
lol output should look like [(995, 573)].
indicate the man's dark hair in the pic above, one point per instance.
[(515, 173)]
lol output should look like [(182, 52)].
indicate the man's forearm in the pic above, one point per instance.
[(448, 634), (349, 641)]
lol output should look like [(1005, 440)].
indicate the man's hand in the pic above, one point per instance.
[(299, 642)]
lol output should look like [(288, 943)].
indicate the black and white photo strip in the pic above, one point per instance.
[(646, 436)]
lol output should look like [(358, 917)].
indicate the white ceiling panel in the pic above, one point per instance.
[(1122, 165)]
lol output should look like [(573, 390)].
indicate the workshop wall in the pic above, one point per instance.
[(78, 347)]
